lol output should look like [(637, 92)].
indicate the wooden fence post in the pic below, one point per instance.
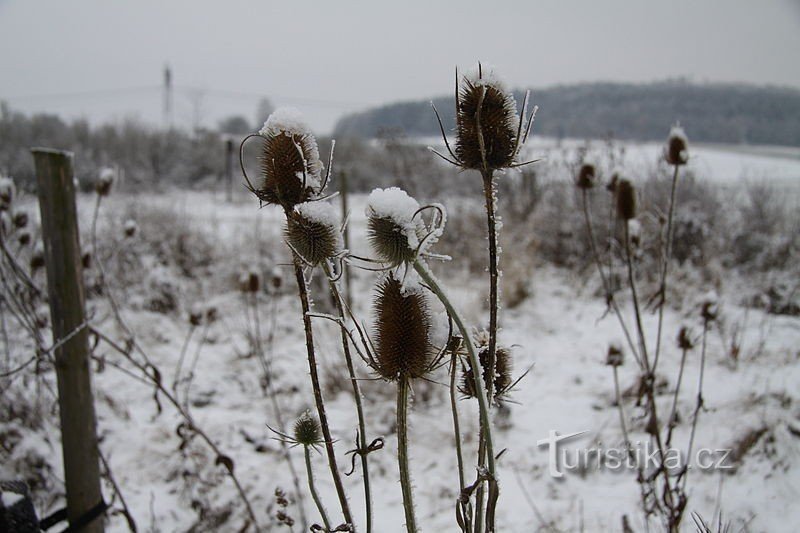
[(56, 188)]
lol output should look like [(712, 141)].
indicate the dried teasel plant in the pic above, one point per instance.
[(291, 174), (401, 239), (663, 493), (307, 433), (290, 167), (401, 352), (503, 382), (489, 137)]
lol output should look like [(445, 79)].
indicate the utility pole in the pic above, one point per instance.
[(62, 250), (167, 97)]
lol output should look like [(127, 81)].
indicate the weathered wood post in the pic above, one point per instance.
[(54, 177)]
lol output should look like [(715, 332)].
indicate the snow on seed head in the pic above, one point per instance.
[(677, 149), (312, 230), (393, 230), (291, 170)]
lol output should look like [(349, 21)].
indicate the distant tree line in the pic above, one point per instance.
[(711, 112), (147, 157)]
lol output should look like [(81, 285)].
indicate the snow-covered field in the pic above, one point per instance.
[(561, 332)]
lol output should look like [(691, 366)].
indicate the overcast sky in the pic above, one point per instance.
[(104, 59)]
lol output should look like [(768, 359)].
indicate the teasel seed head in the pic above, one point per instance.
[(8, 191), (86, 259), (20, 219), (104, 181), (312, 230), (290, 165), (249, 281), (709, 311), (130, 227), (615, 356), (626, 200), (497, 121), (307, 430), (37, 258), (502, 373), (392, 229), (586, 176), (685, 339), (24, 238), (403, 349), (677, 150)]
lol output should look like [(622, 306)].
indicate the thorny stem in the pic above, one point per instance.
[(144, 369), (606, 285), (662, 290), (483, 403), (313, 490), (362, 430), (402, 454), (302, 288)]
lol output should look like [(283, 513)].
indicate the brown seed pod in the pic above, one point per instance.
[(20, 219), (502, 374), (626, 200), (307, 430), (485, 109), (615, 355), (86, 260), (403, 349), (586, 176), (677, 151), (709, 311), (37, 258), (392, 229), (685, 339), (312, 230), (103, 184), (249, 281), (24, 238), (130, 228), (289, 161), (611, 186)]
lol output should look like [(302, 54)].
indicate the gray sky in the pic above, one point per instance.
[(103, 59)]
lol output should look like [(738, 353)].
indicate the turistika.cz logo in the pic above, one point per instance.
[(637, 456)]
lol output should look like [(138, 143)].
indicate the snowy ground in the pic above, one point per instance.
[(560, 332)]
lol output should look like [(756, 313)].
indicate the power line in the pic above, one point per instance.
[(119, 91)]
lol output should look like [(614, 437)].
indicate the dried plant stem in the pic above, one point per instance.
[(144, 368), (362, 428), (302, 288), (313, 490), (177, 376), (649, 379), (483, 403), (665, 266), (606, 284), (277, 412), (699, 405), (673, 410), (402, 454), (456, 424)]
